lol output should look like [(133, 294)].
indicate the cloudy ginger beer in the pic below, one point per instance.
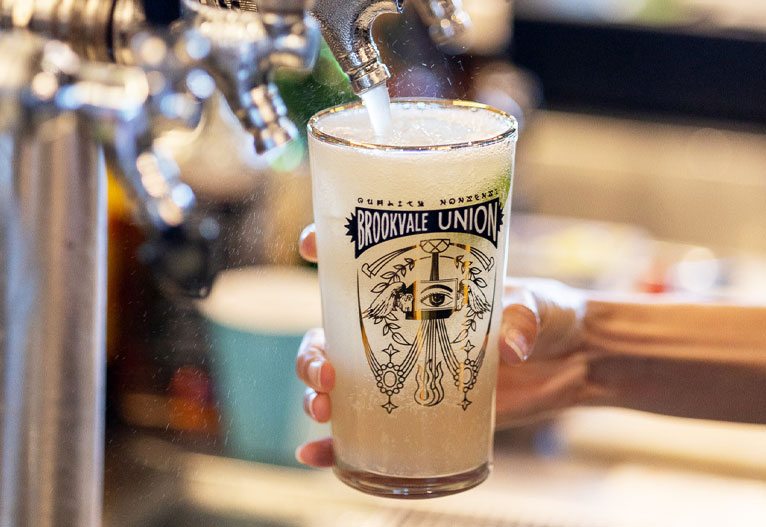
[(411, 237)]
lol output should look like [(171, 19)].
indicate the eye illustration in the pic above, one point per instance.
[(436, 296)]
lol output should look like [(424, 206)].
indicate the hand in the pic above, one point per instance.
[(540, 315)]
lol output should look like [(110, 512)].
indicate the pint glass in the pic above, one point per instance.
[(411, 238)]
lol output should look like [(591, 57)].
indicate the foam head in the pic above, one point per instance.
[(418, 124)]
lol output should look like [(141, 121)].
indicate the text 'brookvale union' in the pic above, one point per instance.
[(369, 227)]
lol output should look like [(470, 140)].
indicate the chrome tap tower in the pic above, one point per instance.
[(115, 86)]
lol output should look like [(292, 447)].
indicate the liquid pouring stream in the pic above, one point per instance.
[(378, 104)]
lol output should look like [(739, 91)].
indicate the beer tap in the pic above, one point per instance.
[(245, 46), (60, 114), (57, 110), (170, 87), (179, 246), (347, 24), (189, 46), (347, 28)]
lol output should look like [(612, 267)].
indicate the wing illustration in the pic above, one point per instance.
[(385, 303), (476, 299)]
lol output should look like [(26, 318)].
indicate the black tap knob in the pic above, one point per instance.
[(185, 259), (162, 12)]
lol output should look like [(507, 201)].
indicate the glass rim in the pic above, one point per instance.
[(510, 132)]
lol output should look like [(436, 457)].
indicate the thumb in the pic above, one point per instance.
[(518, 330), (540, 315)]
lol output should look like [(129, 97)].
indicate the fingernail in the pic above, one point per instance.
[(306, 231), (308, 404), (299, 454), (315, 372), (518, 343)]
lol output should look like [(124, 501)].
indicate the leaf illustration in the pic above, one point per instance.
[(474, 271), (379, 287), (480, 315), (473, 324), (480, 282), (386, 329), (378, 320), (388, 275), (391, 317), (410, 263), (461, 336), (393, 326), (399, 339)]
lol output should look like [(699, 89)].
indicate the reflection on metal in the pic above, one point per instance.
[(53, 275), (56, 112), (243, 47), (248, 40), (53, 364), (84, 24), (247, 5), (346, 26)]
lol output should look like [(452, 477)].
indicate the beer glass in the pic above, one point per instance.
[(411, 238)]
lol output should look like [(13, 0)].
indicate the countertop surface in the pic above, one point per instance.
[(575, 471)]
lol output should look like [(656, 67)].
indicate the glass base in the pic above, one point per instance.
[(410, 488)]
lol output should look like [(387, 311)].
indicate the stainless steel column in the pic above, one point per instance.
[(53, 280)]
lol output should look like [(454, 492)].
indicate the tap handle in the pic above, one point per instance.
[(162, 12), (186, 258)]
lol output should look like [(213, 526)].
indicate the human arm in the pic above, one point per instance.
[(651, 353)]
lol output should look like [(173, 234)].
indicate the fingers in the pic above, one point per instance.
[(308, 244), (317, 405), (312, 365), (541, 388), (318, 454), (542, 318), (518, 333), (518, 330)]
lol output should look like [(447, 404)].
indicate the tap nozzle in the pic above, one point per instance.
[(245, 47), (294, 33), (445, 19), (347, 28), (263, 114)]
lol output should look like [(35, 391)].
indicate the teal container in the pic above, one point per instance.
[(257, 318)]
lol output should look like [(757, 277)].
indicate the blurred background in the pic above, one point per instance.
[(641, 167)]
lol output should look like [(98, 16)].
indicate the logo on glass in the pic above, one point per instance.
[(425, 301)]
